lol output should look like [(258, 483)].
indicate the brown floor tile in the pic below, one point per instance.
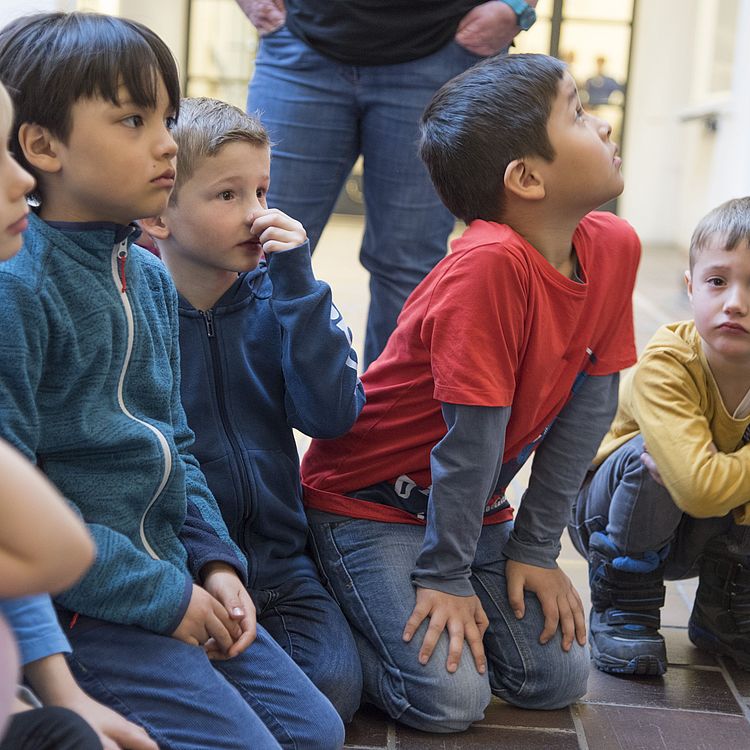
[(501, 714), (681, 651), (680, 688), (485, 738), (369, 728), (623, 728), (740, 677)]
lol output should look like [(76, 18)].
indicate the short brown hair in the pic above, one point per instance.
[(205, 126), (728, 223)]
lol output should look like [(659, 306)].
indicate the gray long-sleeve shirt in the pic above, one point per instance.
[(466, 466)]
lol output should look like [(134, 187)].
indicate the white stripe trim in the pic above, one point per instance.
[(120, 387)]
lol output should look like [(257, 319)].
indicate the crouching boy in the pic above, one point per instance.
[(669, 497)]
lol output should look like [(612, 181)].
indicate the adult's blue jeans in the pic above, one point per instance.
[(368, 564), (321, 116), (304, 620), (622, 499), (257, 701)]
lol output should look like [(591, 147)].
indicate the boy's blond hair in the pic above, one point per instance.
[(728, 223), (204, 127)]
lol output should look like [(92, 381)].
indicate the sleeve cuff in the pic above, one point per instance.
[(457, 587), (227, 558), (291, 272), (541, 554), (184, 602)]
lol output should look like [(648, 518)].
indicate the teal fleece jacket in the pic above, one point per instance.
[(90, 391)]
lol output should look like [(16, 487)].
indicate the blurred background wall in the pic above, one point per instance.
[(673, 77)]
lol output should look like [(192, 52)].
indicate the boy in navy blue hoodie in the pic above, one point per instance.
[(264, 350)]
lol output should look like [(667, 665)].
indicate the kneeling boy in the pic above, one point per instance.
[(513, 343)]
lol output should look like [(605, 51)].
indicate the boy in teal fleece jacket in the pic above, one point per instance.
[(90, 391)]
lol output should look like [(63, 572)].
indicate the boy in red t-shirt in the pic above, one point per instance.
[(512, 344)]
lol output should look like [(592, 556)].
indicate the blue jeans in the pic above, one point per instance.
[(368, 565), (623, 500), (304, 620), (321, 116), (259, 700)]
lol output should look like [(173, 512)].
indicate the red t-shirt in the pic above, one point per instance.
[(493, 324)]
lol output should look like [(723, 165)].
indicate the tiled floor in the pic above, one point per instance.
[(700, 704)]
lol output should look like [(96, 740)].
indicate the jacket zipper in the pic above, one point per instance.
[(119, 257), (208, 320)]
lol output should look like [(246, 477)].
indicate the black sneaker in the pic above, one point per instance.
[(720, 620), (626, 596)]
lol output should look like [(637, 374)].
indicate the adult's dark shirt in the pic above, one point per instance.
[(376, 32)]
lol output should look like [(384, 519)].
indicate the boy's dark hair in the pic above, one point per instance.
[(204, 128), (48, 61), (482, 120), (728, 224)]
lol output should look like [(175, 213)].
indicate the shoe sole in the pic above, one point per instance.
[(706, 641), (644, 665)]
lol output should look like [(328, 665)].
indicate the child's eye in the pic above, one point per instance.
[(226, 195), (170, 122), (260, 193), (133, 121), (715, 281)]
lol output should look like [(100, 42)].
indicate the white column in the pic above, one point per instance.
[(658, 90), (730, 175)]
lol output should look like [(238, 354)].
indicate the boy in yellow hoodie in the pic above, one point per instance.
[(670, 494)]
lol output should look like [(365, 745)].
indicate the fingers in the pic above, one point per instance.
[(246, 638), (277, 231), (455, 645), (579, 617), (132, 737), (415, 620), (567, 624), (219, 629), (473, 636), (551, 617), (434, 630), (515, 594)]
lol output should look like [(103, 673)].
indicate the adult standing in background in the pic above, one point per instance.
[(338, 78)]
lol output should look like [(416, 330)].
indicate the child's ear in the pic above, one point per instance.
[(155, 227), (522, 180), (39, 147), (689, 285)]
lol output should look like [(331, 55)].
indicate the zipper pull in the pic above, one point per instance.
[(208, 319), (122, 256)]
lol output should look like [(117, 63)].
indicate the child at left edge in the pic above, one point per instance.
[(263, 350)]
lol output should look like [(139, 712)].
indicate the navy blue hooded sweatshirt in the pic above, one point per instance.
[(271, 355)]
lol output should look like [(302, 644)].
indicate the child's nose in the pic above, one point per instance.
[(23, 182), (254, 210), (168, 145), (737, 301), (605, 129)]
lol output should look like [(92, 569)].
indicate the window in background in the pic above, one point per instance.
[(221, 51), (594, 39)]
